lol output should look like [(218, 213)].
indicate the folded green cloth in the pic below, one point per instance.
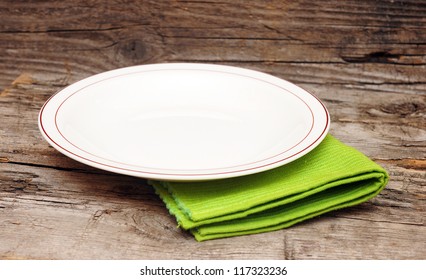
[(332, 176)]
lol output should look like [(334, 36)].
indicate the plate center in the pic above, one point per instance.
[(190, 120)]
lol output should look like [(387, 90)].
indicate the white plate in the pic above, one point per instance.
[(184, 121)]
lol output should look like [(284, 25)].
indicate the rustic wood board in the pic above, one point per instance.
[(365, 59)]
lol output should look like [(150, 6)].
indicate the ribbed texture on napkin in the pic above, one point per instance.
[(330, 177)]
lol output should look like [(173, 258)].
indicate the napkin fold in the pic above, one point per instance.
[(331, 176)]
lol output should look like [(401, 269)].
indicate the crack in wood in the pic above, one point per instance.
[(59, 168), (378, 221), (72, 30), (266, 61), (386, 57), (48, 201)]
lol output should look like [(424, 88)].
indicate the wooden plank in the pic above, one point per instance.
[(83, 42), (90, 215)]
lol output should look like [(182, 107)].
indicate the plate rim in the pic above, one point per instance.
[(183, 176)]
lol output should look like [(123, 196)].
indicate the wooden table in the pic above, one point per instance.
[(365, 59)]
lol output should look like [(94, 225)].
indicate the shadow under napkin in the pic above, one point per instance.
[(330, 177)]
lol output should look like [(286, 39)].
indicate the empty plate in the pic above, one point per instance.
[(184, 121)]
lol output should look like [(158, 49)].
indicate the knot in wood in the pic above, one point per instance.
[(403, 109), (133, 49)]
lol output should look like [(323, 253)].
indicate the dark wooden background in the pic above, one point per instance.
[(365, 59)]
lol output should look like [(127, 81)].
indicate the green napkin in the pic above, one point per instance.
[(332, 176)]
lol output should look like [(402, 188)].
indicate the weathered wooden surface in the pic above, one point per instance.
[(365, 59)]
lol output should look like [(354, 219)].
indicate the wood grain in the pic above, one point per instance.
[(365, 59)]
